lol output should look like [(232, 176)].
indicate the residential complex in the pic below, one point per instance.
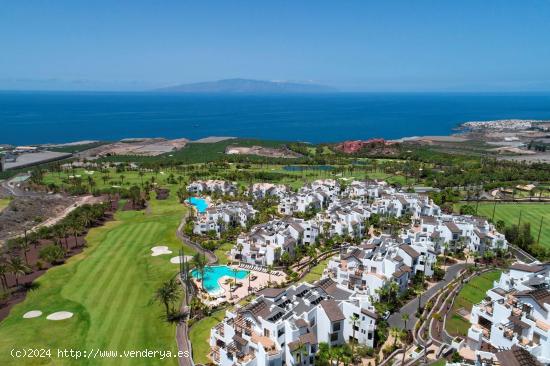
[(266, 243), (221, 217), (212, 186), (285, 326)]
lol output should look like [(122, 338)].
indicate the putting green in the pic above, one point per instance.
[(109, 288)]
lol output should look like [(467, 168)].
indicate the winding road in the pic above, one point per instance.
[(396, 320)]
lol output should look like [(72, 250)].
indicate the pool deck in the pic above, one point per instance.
[(260, 281)]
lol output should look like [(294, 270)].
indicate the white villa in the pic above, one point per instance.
[(261, 190), (377, 263), (220, 217), (285, 326), (474, 233), (316, 195), (212, 186), (344, 217), (265, 243), (367, 190)]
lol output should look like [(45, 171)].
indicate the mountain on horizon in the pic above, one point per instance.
[(248, 86)]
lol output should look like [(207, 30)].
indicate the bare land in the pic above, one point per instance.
[(262, 151), (142, 147)]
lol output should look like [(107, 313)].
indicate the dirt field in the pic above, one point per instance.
[(143, 147), (261, 151)]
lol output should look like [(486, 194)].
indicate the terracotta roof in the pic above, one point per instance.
[(369, 313), (410, 251), (308, 338), (258, 308), (452, 227), (541, 296), (526, 268), (300, 323), (332, 310), (271, 292)]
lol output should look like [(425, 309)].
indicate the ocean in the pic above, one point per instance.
[(57, 117)]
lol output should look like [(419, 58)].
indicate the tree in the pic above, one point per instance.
[(52, 254), (4, 270), (167, 294), (17, 267), (199, 261), (467, 210)]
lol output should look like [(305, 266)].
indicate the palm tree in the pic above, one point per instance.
[(240, 249), (167, 294), (24, 246), (4, 270), (17, 268), (298, 352), (199, 261)]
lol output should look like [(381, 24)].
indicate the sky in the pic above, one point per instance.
[(421, 45)]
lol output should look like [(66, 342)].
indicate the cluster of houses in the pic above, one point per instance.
[(218, 218), (286, 326), (210, 186), (340, 212), (514, 315)]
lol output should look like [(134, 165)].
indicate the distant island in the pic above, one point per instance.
[(248, 86)]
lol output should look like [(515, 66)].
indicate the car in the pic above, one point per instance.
[(386, 315)]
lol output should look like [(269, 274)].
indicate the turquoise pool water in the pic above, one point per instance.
[(199, 203), (212, 275)]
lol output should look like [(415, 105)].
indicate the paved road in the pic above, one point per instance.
[(395, 320)]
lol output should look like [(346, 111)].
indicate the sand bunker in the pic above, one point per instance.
[(179, 259), (160, 250), (60, 315), (32, 314)]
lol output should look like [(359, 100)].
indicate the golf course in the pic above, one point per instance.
[(530, 212), (109, 288)]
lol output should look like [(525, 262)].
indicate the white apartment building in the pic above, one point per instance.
[(515, 313), (212, 186), (266, 243), (221, 217), (261, 190), (285, 326)]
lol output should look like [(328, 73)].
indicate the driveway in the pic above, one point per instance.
[(410, 308)]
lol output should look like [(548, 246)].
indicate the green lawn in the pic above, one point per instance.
[(472, 293), (223, 253), (109, 288), (199, 334), (316, 272), (530, 212)]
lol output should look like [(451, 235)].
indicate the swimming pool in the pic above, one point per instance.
[(199, 203), (212, 275)]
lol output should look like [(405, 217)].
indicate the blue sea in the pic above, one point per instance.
[(48, 117)]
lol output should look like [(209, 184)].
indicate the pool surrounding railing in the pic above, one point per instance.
[(213, 274), (200, 203)]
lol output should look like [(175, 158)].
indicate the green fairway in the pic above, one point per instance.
[(472, 293), (109, 288), (530, 212)]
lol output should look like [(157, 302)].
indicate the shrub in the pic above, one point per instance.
[(52, 254)]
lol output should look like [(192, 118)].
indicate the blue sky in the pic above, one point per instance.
[(436, 45)]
